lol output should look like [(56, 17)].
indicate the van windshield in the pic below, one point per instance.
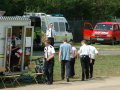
[(103, 27)]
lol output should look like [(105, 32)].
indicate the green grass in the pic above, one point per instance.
[(102, 46), (104, 66)]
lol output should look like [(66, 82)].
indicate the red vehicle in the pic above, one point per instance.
[(104, 32)]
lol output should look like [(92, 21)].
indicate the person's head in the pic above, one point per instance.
[(83, 42), (13, 36), (65, 40), (47, 42), (50, 25), (89, 43)]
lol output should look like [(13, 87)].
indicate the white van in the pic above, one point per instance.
[(61, 27), (40, 21)]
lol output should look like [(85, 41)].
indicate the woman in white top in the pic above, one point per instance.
[(72, 61)]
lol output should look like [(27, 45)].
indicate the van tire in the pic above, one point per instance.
[(92, 42)]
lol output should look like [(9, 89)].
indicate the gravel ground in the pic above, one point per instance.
[(101, 83)]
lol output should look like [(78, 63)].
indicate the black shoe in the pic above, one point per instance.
[(49, 83), (68, 80), (82, 80), (91, 76), (62, 79)]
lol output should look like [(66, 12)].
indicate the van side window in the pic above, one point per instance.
[(116, 27), (68, 27), (35, 21), (56, 26), (62, 26), (88, 26)]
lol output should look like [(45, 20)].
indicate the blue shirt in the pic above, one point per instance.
[(65, 50)]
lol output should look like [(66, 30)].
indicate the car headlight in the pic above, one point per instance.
[(93, 35), (109, 35)]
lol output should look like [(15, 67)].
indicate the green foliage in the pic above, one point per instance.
[(72, 9)]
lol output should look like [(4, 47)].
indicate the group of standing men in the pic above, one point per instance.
[(67, 56)]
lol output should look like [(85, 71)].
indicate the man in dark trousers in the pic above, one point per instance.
[(72, 61), (50, 33), (64, 58), (49, 52), (84, 53), (93, 52), (15, 46)]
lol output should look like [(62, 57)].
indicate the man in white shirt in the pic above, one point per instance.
[(84, 53), (49, 52), (64, 58), (93, 52), (50, 33)]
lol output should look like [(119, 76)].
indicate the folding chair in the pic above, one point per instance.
[(34, 73), (2, 69), (9, 76)]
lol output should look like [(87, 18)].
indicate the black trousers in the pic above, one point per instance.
[(14, 60), (65, 64), (72, 69), (49, 70), (91, 68), (85, 66), (51, 39)]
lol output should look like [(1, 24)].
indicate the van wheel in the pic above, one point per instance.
[(92, 42)]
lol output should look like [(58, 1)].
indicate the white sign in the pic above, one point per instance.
[(28, 41)]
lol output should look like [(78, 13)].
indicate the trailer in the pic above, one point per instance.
[(21, 26)]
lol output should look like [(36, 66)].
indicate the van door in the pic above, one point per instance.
[(119, 33), (8, 40), (87, 30), (27, 46), (116, 33)]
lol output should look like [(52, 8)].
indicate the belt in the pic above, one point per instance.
[(84, 55)]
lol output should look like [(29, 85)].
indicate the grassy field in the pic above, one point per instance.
[(104, 66), (102, 46)]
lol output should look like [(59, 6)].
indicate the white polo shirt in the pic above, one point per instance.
[(50, 33), (84, 50), (93, 51), (48, 51)]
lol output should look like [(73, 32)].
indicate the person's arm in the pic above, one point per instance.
[(75, 53), (17, 41), (14, 48), (78, 54), (96, 51), (52, 54), (60, 54)]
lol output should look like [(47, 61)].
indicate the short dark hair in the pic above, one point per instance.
[(89, 43), (48, 41), (65, 40)]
